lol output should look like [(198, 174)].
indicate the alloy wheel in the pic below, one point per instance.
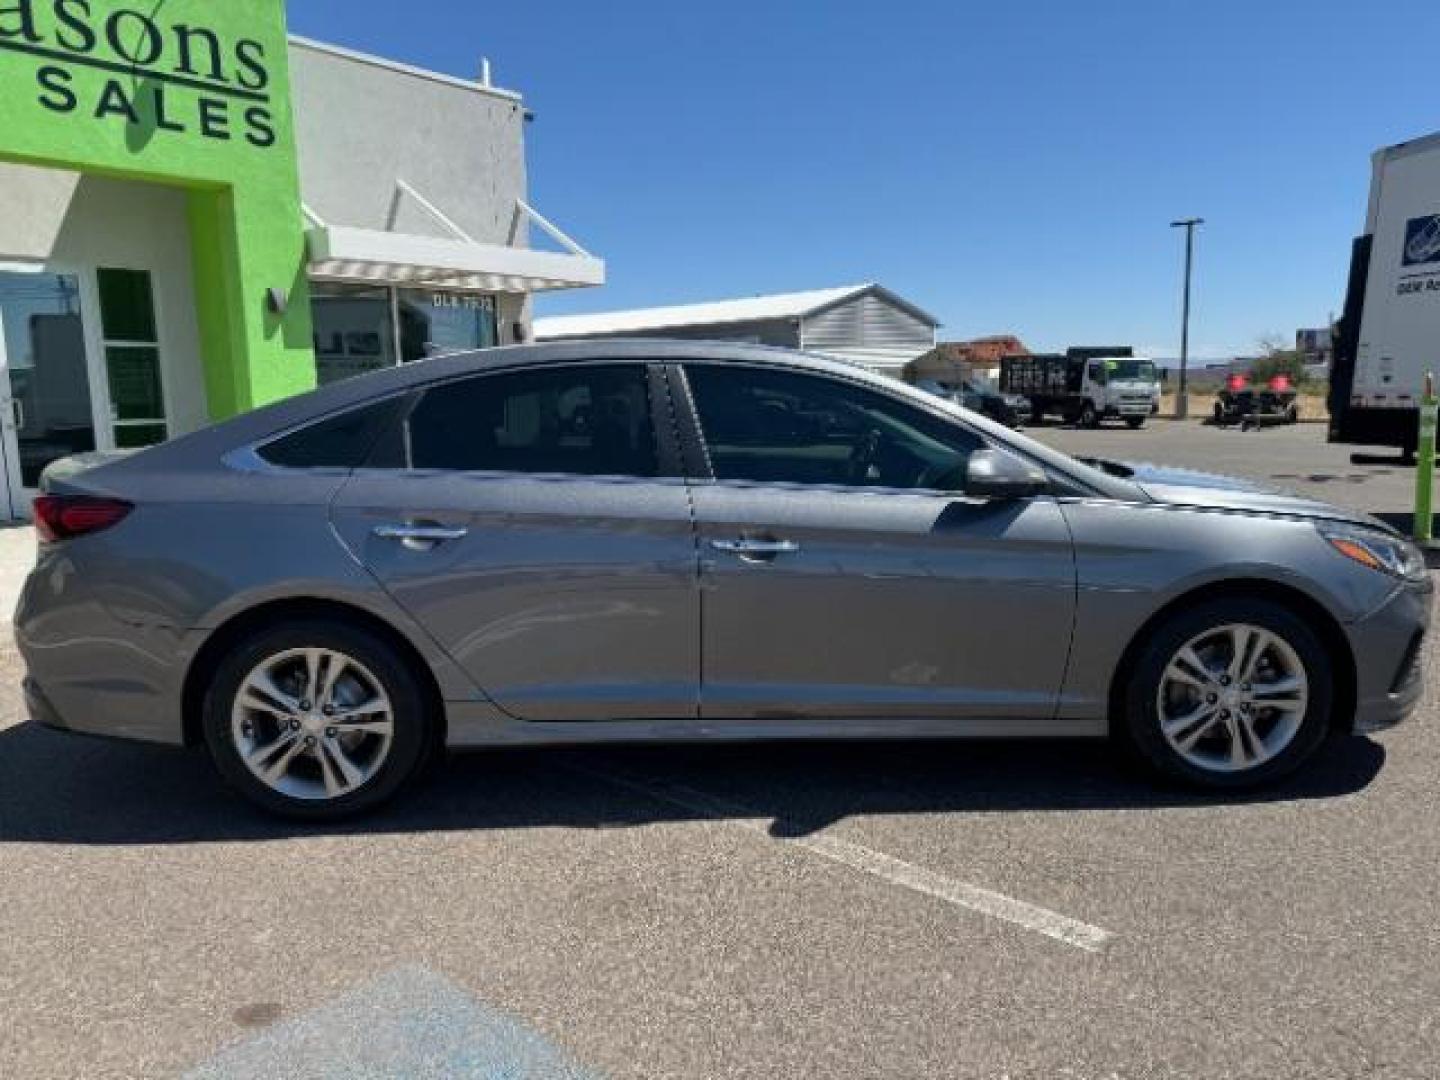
[(1232, 698), (312, 724)]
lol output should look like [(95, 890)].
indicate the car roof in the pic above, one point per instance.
[(201, 448), (387, 381), (636, 349)]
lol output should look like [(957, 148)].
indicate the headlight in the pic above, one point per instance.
[(1379, 551)]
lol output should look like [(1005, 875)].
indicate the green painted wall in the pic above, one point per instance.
[(192, 93)]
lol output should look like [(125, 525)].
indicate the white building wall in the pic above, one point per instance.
[(361, 124), (870, 330), (74, 224)]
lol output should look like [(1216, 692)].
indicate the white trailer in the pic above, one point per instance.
[(1389, 335)]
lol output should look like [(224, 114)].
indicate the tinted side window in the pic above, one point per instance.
[(343, 441), (587, 420), (806, 429)]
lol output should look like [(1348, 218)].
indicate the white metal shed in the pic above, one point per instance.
[(864, 324)]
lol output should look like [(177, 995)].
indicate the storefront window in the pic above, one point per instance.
[(353, 331), (434, 322), (132, 357), (355, 328)]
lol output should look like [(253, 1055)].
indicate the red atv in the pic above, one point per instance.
[(1240, 403)]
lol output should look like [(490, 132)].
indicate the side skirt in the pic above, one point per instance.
[(481, 727)]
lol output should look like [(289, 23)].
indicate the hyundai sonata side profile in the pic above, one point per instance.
[(637, 541)]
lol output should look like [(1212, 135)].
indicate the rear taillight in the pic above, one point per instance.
[(61, 517)]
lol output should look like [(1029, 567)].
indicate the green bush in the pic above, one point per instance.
[(1276, 361)]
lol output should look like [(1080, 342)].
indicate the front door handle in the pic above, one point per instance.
[(756, 549), (421, 537)]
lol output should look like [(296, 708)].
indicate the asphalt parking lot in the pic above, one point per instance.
[(968, 909)]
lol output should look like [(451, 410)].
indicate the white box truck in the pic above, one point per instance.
[(1086, 385), (1389, 334)]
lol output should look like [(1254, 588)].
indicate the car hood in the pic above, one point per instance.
[(1214, 491)]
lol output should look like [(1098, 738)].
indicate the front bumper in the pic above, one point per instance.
[(1389, 649)]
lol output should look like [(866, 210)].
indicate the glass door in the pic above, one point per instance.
[(45, 408)]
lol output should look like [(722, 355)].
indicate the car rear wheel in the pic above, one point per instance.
[(316, 720), (1230, 694)]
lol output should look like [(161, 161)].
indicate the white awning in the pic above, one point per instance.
[(383, 256), (350, 254)]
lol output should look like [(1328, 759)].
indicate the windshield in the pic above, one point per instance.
[(1131, 369)]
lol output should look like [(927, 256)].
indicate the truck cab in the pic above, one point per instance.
[(1120, 387)]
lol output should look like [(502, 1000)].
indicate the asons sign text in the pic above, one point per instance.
[(176, 77)]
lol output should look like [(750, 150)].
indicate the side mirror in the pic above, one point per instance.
[(996, 474)]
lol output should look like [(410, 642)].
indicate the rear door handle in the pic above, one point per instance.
[(421, 537), (756, 549)]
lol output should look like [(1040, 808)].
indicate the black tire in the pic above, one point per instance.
[(1088, 417), (1135, 423), (1139, 723), (414, 727)]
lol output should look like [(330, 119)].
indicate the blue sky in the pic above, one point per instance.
[(1011, 167)]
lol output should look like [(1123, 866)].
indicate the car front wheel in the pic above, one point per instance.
[(1230, 694), (316, 719)]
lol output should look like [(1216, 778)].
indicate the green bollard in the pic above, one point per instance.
[(1425, 463)]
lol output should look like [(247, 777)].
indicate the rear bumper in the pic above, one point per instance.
[(1389, 650), (1361, 426), (90, 673), (38, 706)]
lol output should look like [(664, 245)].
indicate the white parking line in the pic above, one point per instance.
[(1052, 924)]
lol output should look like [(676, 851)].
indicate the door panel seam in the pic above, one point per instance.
[(696, 568)]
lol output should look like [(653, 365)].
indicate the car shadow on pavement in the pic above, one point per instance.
[(57, 788)]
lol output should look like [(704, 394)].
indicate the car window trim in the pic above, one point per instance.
[(694, 453), (701, 470), (249, 457), (667, 455), (1064, 483)]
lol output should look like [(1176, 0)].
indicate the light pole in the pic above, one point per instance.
[(1182, 402)]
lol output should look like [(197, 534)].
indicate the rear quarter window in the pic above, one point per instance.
[(342, 441)]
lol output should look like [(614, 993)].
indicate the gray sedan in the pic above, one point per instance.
[(658, 541)]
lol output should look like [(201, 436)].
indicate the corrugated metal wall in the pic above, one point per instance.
[(781, 332), (869, 330)]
